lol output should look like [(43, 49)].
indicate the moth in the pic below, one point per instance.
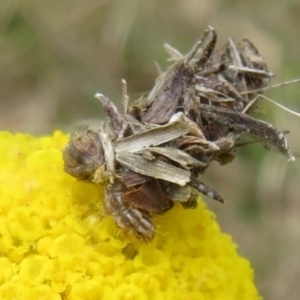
[(153, 153), (143, 173)]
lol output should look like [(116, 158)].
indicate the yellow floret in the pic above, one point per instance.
[(57, 243)]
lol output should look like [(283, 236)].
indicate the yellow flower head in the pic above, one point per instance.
[(57, 243)]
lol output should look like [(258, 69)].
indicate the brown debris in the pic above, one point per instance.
[(155, 152)]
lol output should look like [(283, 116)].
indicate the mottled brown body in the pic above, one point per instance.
[(130, 219)]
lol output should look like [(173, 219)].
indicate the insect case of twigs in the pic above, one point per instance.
[(154, 152)]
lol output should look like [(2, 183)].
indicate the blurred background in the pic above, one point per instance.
[(55, 55)]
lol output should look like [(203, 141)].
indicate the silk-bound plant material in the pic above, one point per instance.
[(164, 142)]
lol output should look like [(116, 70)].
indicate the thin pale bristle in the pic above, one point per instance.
[(272, 86), (281, 106)]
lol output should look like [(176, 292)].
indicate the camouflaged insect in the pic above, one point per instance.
[(154, 152)]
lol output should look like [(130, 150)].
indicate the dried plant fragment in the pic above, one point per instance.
[(153, 137), (153, 168), (263, 131), (185, 160), (163, 100), (167, 98)]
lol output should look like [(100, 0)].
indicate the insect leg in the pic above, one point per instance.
[(206, 190)]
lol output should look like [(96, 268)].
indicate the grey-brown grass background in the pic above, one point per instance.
[(54, 56)]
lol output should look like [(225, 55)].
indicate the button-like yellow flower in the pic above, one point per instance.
[(57, 243)]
